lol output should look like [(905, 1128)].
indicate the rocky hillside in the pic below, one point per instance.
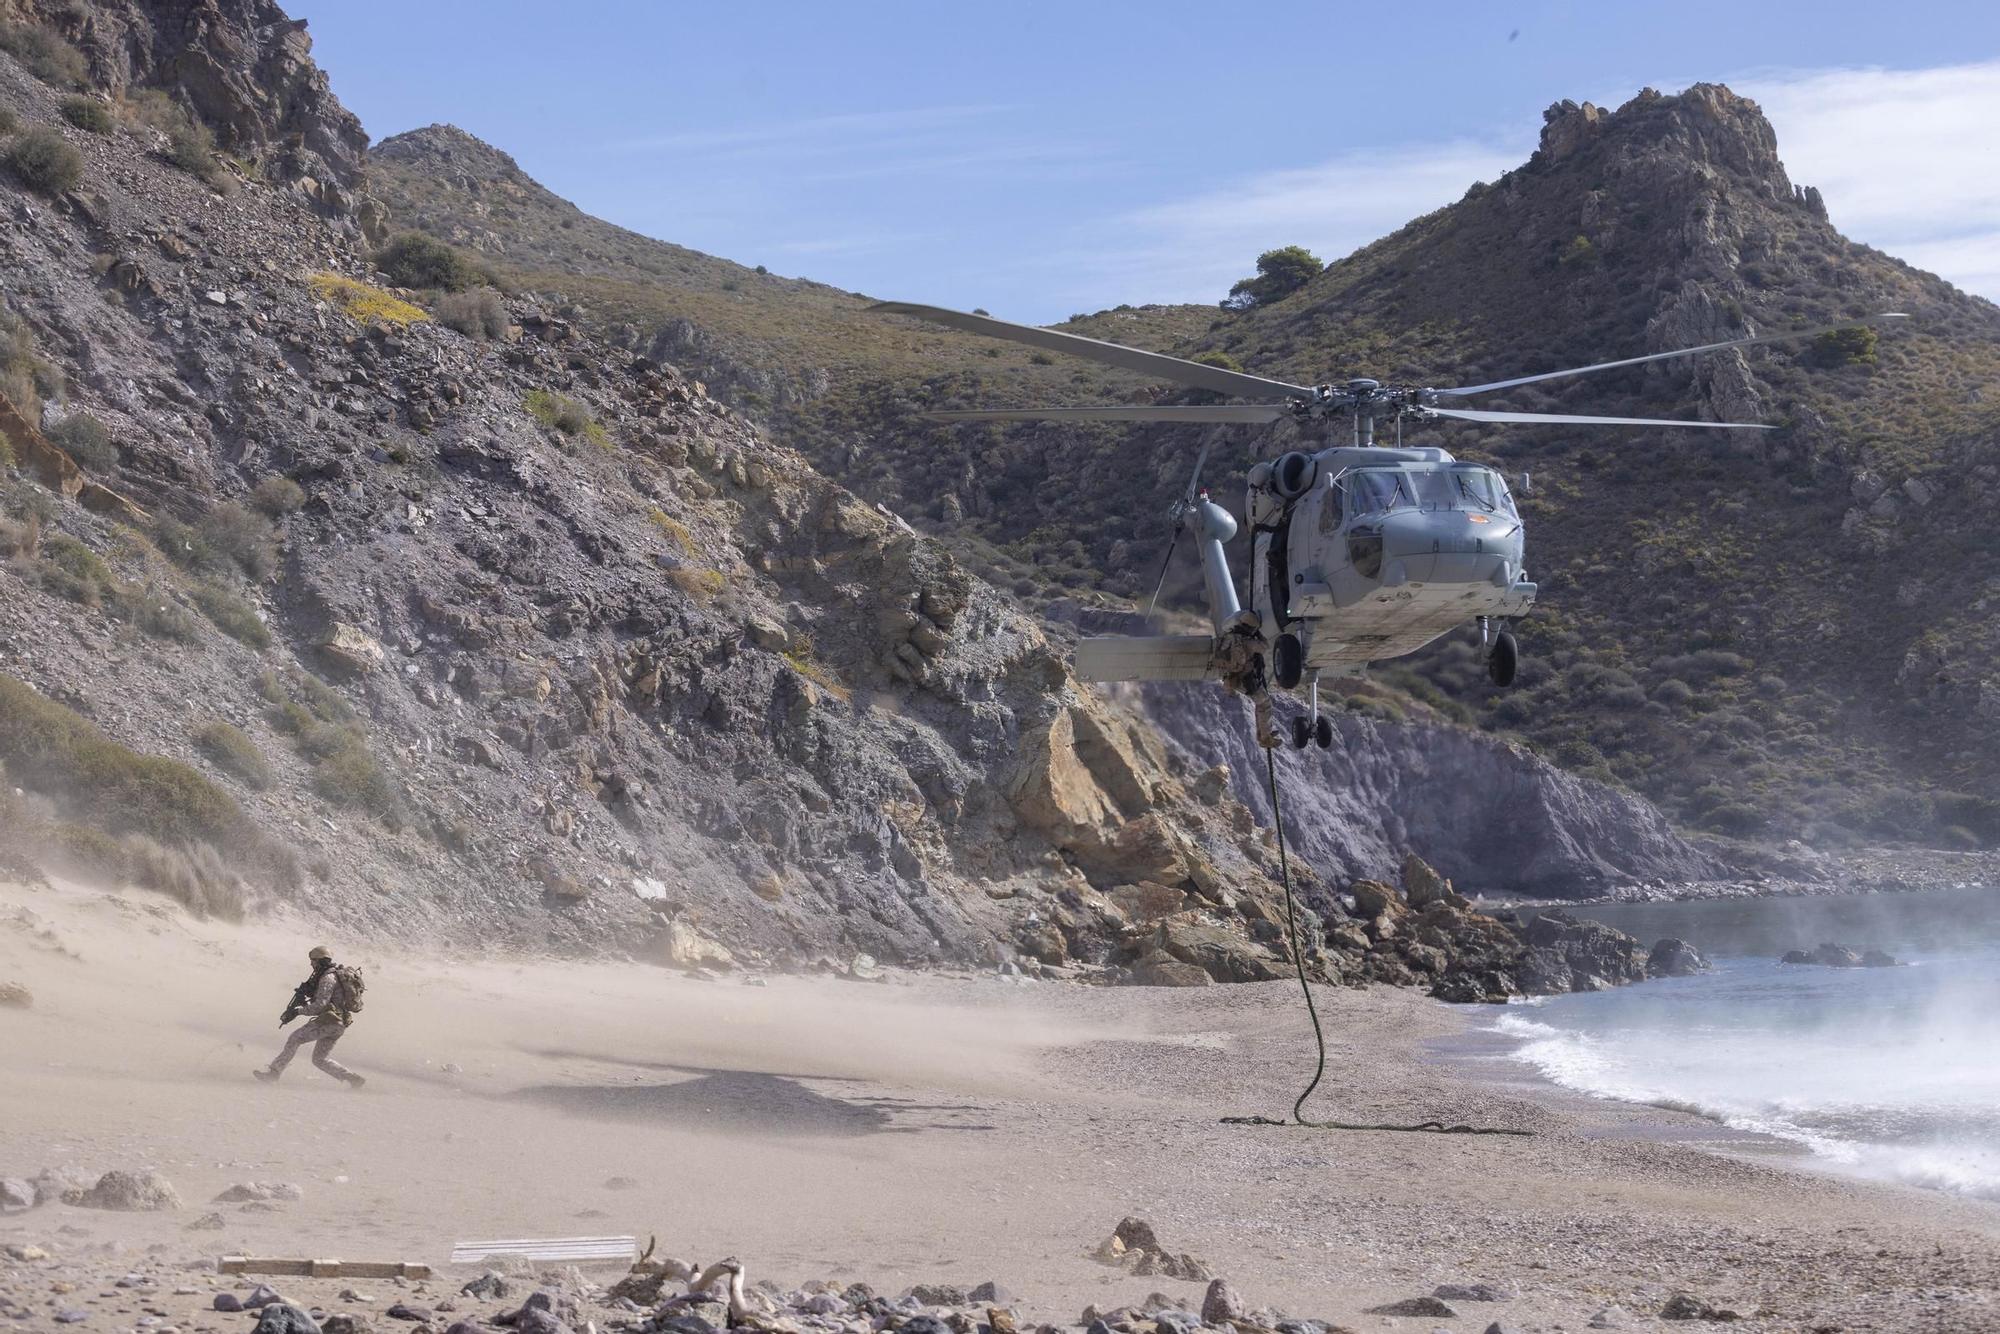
[(1774, 636)]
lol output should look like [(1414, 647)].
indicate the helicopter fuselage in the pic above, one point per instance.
[(1366, 553)]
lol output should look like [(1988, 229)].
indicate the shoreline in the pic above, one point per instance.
[(929, 1131)]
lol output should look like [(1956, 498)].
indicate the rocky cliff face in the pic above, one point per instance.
[(1488, 815), (244, 68)]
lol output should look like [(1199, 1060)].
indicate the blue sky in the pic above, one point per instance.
[(1042, 159)]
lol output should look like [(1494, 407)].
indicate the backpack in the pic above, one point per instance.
[(347, 988)]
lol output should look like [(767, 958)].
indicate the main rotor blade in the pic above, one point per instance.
[(1468, 414), (1177, 369), (1242, 413), (1787, 336)]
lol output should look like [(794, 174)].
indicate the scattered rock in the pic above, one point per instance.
[(16, 1195), (1220, 1303), (127, 1192), (261, 1296), (620, 1183), (1687, 1306), (260, 1191), (226, 1301), (401, 1311), (1472, 1292), (210, 1222), (25, 1253), (990, 1293), (346, 1323), (352, 648), (1609, 1317), (1424, 1306), (938, 1294), (493, 1286), (1674, 958), (14, 996), (285, 1318)]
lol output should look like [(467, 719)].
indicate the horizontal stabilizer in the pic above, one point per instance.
[(1132, 658)]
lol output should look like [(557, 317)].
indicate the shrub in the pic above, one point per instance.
[(565, 415), (191, 147), (416, 260), (84, 439), (347, 773), (195, 875), (57, 751), (231, 615), (157, 614), (231, 750), (72, 570), (1578, 251), (701, 585), (362, 302), (87, 113), (44, 54), (1219, 358), (476, 314), (277, 495), (244, 536), (672, 529), (44, 161), (87, 852), (7, 122)]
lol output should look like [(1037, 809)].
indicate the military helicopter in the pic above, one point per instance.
[(1361, 552)]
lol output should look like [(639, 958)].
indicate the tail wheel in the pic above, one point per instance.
[(1504, 661), (1323, 732), (1290, 664), (1301, 733)]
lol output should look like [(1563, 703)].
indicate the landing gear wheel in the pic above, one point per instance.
[(1301, 733), (1323, 732), (1504, 661), (1289, 660)]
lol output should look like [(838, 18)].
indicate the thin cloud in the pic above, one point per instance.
[(866, 125), (1907, 160), (1192, 249)]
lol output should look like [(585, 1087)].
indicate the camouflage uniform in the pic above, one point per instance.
[(1239, 661), (326, 1027)]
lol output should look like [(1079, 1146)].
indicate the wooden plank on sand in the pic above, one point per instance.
[(245, 1264)]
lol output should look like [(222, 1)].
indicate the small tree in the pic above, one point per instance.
[(1280, 273), (1843, 347)]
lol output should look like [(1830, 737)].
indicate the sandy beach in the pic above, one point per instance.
[(919, 1130)]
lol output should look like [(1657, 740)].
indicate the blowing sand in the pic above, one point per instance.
[(929, 1130)]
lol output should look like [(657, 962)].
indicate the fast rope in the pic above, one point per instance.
[(1312, 1010)]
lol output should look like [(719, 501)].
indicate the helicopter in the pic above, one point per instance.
[(1361, 552)]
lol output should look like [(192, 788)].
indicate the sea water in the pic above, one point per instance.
[(1885, 1072)]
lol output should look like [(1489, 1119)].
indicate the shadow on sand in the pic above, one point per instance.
[(720, 1100)]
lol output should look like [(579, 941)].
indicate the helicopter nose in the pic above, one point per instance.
[(1449, 546)]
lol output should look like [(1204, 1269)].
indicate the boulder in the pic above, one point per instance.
[(1146, 902), (1830, 955), (1673, 957), (16, 1195), (1422, 885), (1590, 955), (14, 996), (260, 1190), (1160, 969), (1416, 1306), (1373, 899), (127, 1192), (1879, 959), (1687, 1306), (1220, 1304), (1221, 953), (351, 648), (1796, 957), (284, 1318)]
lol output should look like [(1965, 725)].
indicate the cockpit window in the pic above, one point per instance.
[(1375, 490)]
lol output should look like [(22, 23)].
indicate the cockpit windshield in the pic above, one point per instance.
[(1464, 487)]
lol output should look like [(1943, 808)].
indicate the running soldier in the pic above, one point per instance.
[(331, 998)]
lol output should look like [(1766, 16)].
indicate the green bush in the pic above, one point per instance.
[(416, 260), (70, 569), (229, 534), (1843, 347), (44, 161), (231, 615), (476, 314), (87, 113), (84, 439), (565, 415), (45, 55), (231, 750), (58, 752), (154, 611), (191, 147), (277, 495)]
